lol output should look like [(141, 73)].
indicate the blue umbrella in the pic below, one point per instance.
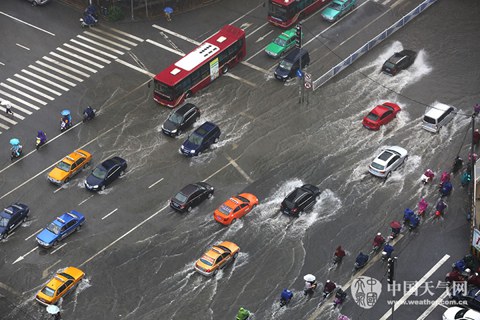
[(168, 10), (65, 112), (14, 142)]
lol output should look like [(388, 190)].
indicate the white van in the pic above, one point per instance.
[(438, 116)]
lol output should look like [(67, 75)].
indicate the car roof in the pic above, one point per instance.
[(109, 163), (189, 189), (67, 217), (206, 127), (183, 109), (437, 110), (287, 34)]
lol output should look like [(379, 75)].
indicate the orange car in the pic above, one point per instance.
[(216, 258), (59, 285), (235, 208), (69, 166)]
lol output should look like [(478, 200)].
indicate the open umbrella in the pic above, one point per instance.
[(53, 309), (395, 224), (65, 112), (309, 277), (168, 10), (4, 102), (14, 142)]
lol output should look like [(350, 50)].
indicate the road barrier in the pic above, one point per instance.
[(372, 43)]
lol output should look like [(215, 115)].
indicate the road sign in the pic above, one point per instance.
[(299, 73), (308, 81)]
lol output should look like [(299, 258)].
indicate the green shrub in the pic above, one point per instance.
[(115, 13)]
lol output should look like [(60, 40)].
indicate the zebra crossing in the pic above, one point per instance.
[(54, 74)]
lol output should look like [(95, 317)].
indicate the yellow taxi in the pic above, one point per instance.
[(59, 285), (216, 258), (69, 166)]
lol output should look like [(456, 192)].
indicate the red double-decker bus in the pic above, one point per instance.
[(284, 13), (200, 67)]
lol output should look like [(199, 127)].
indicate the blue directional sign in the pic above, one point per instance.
[(299, 73)]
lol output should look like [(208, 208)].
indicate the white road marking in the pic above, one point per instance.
[(264, 36), (8, 119), (21, 101), (113, 211), (231, 75), (87, 53), (25, 95), (246, 14), (151, 75), (61, 187), (100, 44), (28, 24), (52, 75), (263, 25), (127, 34), (45, 80), (86, 200), (26, 254), (2, 63), (89, 47), (47, 270), (256, 53), (76, 56), (4, 126), (38, 84), (23, 47), (165, 47), (91, 34), (176, 35), (155, 183), (63, 245), (9, 289), (414, 288), (58, 63), (248, 64), (243, 173), (435, 304), (78, 64), (31, 89), (33, 234), (115, 37), (66, 74)]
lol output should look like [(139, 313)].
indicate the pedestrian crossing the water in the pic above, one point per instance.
[(53, 75)]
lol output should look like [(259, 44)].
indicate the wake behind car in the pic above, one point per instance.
[(235, 208), (282, 44), (299, 200), (399, 61), (61, 284), (60, 228), (12, 217), (217, 258), (69, 166), (380, 115), (337, 8), (180, 119), (191, 196), (201, 139), (105, 173), (387, 161), (38, 2)]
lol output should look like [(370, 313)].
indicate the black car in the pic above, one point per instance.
[(472, 299), (12, 217), (301, 199), (191, 196), (180, 119), (200, 140), (399, 61), (105, 173)]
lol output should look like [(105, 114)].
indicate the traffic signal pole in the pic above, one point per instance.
[(391, 278), (298, 44)]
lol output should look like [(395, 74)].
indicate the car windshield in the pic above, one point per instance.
[(3, 222), (66, 275), (63, 166), (429, 120), (390, 65), (336, 6), (181, 197), (99, 172), (289, 204), (372, 116), (48, 291), (281, 42), (243, 199), (225, 209), (377, 166), (285, 65), (195, 139), (53, 228), (175, 118)]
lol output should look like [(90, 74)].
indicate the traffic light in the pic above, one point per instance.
[(390, 270), (298, 34)]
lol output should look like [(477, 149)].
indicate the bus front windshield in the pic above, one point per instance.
[(283, 13), (165, 91)]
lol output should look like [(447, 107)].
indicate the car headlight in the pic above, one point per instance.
[(174, 131), (192, 151), (95, 187), (182, 147)]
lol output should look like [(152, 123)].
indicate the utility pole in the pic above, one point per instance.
[(298, 44)]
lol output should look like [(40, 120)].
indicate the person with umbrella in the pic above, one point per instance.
[(16, 147), (8, 107), (66, 119), (168, 11), (396, 228), (310, 284), (54, 311)]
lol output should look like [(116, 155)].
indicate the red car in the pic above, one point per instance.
[(381, 114), (235, 208)]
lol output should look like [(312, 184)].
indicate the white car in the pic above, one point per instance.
[(457, 313), (387, 161)]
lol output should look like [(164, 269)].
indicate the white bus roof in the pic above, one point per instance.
[(197, 56)]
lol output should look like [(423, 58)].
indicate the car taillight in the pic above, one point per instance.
[(182, 206), (208, 270), (295, 209)]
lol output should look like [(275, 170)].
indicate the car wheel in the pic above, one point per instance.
[(67, 180), (25, 219), (102, 187), (122, 173), (188, 94), (235, 255), (55, 243), (189, 209), (216, 140), (179, 132), (214, 273), (199, 153), (388, 175), (196, 118), (406, 158), (210, 195), (78, 228), (3, 236), (225, 69), (234, 221)]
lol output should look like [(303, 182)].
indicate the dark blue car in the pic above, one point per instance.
[(201, 139), (105, 173), (60, 228), (11, 218)]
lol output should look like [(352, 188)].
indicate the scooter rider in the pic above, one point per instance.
[(378, 241), (387, 251), (243, 314), (328, 288), (285, 297), (16, 150), (310, 287), (42, 136), (89, 113), (361, 260), (340, 296), (338, 255)]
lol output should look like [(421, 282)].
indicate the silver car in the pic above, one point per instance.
[(38, 2), (387, 161)]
